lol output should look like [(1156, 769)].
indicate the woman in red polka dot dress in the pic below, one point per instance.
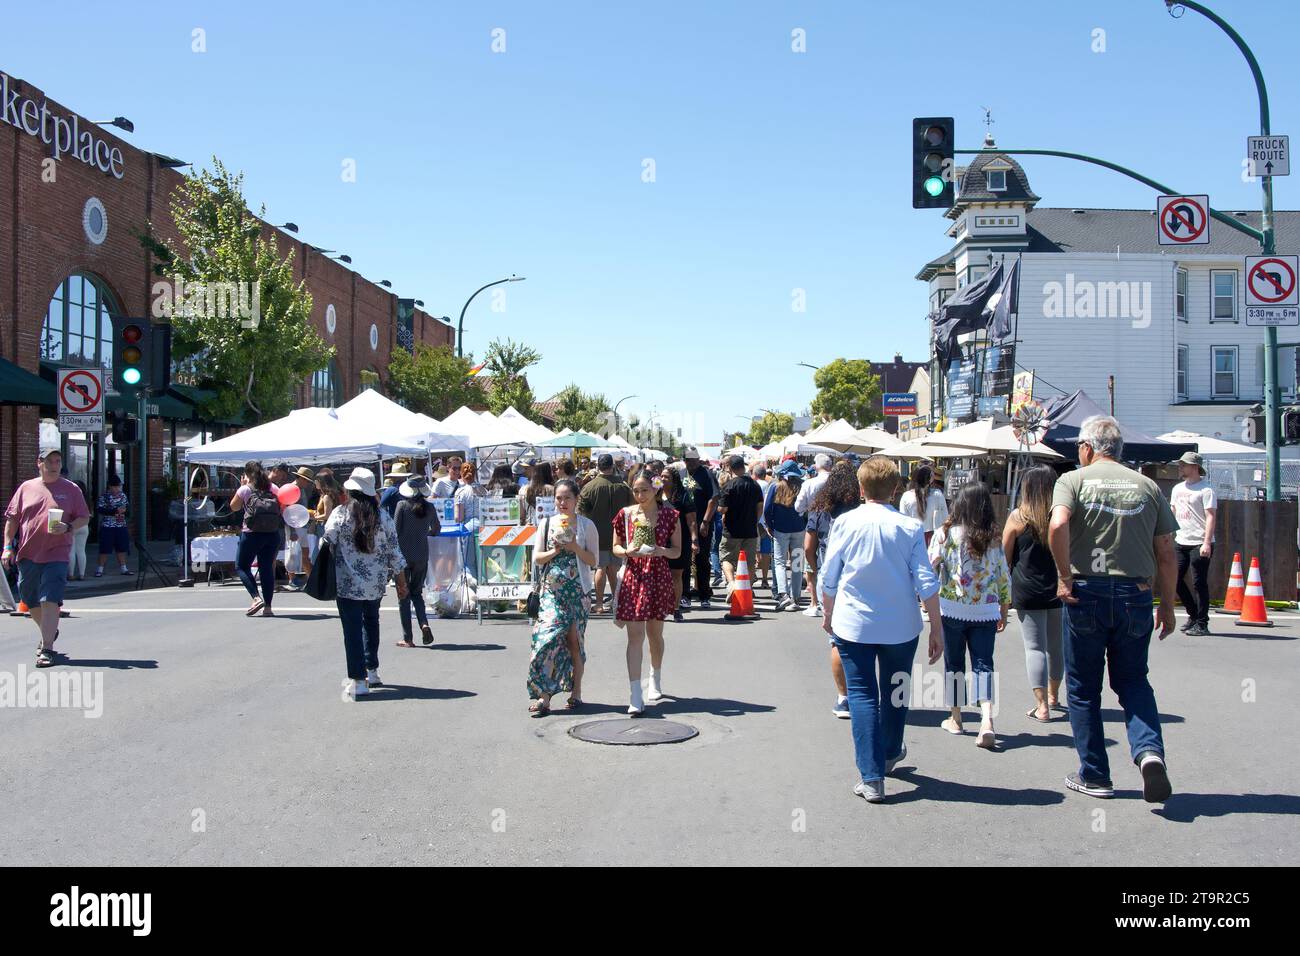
[(647, 534)]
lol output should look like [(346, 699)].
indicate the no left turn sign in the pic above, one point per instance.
[(1271, 280), (80, 391), (1183, 220)]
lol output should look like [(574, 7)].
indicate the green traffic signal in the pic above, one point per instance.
[(131, 375), (933, 185)]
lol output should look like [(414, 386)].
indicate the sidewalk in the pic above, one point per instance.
[(114, 580)]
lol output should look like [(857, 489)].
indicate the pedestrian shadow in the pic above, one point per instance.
[(722, 620), (952, 791), (1026, 739), (117, 665), (303, 617), (1186, 807), (404, 692), (462, 647), (717, 706), (1250, 634), (1117, 716)]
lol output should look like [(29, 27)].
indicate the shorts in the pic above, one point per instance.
[(114, 540), (766, 545), (730, 548), (42, 583), (605, 559)]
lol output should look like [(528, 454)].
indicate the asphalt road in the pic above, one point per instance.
[(224, 740)]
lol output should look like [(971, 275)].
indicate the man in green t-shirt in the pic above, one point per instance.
[(1111, 536)]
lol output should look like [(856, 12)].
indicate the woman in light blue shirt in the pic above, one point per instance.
[(875, 562)]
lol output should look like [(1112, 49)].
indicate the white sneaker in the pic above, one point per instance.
[(372, 678), (653, 691), (813, 610), (352, 689)]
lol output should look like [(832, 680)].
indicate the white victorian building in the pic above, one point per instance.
[(1100, 297)]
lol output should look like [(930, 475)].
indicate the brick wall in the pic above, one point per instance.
[(42, 242)]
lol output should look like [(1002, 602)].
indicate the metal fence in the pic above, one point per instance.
[(1243, 479)]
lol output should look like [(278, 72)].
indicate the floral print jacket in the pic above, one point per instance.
[(970, 588), (362, 576)]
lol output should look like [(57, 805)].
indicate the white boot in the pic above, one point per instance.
[(654, 692), (637, 705)]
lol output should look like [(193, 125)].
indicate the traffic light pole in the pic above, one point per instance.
[(142, 473), (1264, 235)]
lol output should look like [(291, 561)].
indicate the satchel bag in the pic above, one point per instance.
[(534, 601), (322, 583)]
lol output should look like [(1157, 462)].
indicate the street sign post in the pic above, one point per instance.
[(1272, 298), (1268, 155), (80, 396), (1183, 220)]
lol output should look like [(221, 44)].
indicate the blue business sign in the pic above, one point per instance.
[(899, 403)]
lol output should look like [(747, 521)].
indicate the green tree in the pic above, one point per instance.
[(253, 362), (847, 388), (579, 411), (771, 426), (433, 381), (507, 362)]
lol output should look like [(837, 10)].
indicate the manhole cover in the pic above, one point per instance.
[(633, 732)]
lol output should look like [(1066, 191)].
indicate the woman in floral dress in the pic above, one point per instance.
[(648, 535), (974, 594), (567, 550)]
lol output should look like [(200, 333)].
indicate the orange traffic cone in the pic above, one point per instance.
[(1253, 612), (742, 595), (22, 608), (1236, 587)]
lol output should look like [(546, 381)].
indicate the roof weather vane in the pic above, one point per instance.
[(988, 121)]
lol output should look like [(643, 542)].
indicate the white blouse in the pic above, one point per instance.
[(936, 509)]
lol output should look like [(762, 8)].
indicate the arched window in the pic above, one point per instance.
[(325, 386), (77, 330)]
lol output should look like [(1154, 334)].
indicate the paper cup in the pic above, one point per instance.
[(55, 516)]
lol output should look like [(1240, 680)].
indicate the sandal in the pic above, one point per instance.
[(1033, 715), (574, 703), (405, 644), (256, 606), (428, 634), (44, 658), (539, 710), (952, 727)]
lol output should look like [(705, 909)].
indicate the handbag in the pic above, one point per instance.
[(321, 583), (534, 601)]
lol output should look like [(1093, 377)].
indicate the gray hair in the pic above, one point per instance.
[(760, 471), (822, 461), (1101, 433)]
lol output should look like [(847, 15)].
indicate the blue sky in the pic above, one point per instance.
[(774, 170)]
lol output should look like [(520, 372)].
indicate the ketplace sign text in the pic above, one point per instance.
[(63, 136)]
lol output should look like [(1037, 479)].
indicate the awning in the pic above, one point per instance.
[(21, 387)]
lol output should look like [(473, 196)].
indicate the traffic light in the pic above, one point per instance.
[(125, 428), (1291, 426), (932, 162), (141, 354), (1252, 425)]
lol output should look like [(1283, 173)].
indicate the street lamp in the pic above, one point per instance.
[(460, 326), (616, 404), (121, 122), (291, 226), (815, 368)]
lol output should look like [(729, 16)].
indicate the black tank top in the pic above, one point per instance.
[(1033, 575)]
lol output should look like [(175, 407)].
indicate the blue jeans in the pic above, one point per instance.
[(360, 634), (877, 707), (1111, 625), (959, 635), (262, 545), (715, 560), (787, 582)]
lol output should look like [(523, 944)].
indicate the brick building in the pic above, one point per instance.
[(74, 200)]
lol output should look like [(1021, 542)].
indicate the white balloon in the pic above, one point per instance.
[(296, 516)]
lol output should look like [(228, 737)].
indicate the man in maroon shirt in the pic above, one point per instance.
[(40, 545)]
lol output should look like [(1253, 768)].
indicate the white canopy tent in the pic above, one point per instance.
[(1212, 447), (535, 431), (744, 451), (485, 430), (373, 411)]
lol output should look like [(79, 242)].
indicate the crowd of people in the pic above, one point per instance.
[(1079, 559)]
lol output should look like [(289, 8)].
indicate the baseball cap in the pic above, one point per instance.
[(690, 452), (47, 452)]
